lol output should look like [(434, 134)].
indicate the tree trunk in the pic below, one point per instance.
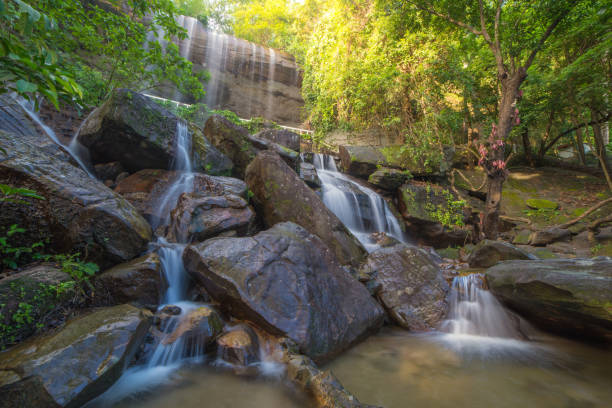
[(580, 147), (527, 147), (506, 120), (600, 148)]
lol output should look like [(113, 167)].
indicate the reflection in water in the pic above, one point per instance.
[(396, 369)]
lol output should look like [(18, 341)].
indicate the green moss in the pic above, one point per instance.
[(541, 204)]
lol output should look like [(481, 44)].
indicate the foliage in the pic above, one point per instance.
[(450, 212), (13, 255)]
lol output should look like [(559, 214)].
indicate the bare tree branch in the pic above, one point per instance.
[(496, 30), (447, 17)]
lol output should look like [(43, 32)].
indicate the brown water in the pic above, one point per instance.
[(206, 387), (396, 369)]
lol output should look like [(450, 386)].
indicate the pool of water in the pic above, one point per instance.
[(397, 369)]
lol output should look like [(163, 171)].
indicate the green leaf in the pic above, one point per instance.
[(24, 86)]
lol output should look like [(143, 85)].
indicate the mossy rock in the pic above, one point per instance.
[(541, 204), (521, 238)]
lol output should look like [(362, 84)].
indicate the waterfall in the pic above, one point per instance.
[(271, 69), (359, 208)]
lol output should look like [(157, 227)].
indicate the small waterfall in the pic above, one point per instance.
[(76, 151), (474, 311), (359, 208)]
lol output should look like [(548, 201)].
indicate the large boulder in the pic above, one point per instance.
[(283, 137), (569, 297), (411, 286), (291, 157), (389, 179), (232, 140), (140, 280), (141, 134), (288, 282), (27, 297), (280, 196), (549, 235), (145, 189), (77, 212), (487, 253), (198, 217), (83, 359), (362, 161)]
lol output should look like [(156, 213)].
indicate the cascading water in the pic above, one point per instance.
[(359, 208)]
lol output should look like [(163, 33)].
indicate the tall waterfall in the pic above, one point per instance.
[(359, 208)]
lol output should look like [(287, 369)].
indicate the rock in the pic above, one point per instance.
[(40, 288), (239, 347), (282, 137), (308, 174), (548, 236), (279, 195), (322, 386), (487, 253), (199, 217), (541, 204), (145, 189), (412, 287), (29, 392), (289, 156), (141, 134), (140, 280), (108, 171), (362, 161), (78, 214), (569, 297), (389, 179), (206, 157), (521, 237), (288, 282), (232, 140), (197, 329), (81, 360)]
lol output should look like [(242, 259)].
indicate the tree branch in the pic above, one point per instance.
[(483, 26), (568, 131), (545, 36), (496, 31), (447, 17)]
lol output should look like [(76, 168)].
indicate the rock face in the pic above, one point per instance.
[(241, 147), (37, 287), (145, 188), (308, 173), (389, 179), (487, 253), (140, 280), (29, 392), (283, 137), (280, 196), (140, 134), (288, 282), (77, 213), (239, 347), (198, 329), (362, 161), (83, 359), (569, 297), (199, 217), (108, 171), (411, 286)]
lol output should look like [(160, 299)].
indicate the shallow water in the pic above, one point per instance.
[(396, 369), (204, 387)]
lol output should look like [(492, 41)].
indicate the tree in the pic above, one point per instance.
[(514, 31)]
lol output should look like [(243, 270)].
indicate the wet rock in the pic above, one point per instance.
[(140, 280), (308, 173), (199, 217), (389, 179), (569, 297), (360, 161), (288, 282), (324, 388), (548, 236), (487, 253), (198, 329), (280, 195), (239, 347), (78, 214), (29, 392), (232, 140), (141, 134), (290, 157), (412, 287), (40, 287), (83, 359), (108, 171), (145, 189), (282, 137)]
